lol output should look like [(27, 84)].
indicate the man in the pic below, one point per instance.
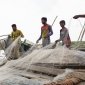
[(79, 16), (46, 32), (64, 35), (15, 53), (16, 33)]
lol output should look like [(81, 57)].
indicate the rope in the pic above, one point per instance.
[(81, 35), (82, 31)]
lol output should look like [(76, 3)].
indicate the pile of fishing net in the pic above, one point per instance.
[(59, 55), (18, 72)]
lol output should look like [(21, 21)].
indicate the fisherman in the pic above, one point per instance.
[(64, 35), (16, 33), (79, 16), (46, 32)]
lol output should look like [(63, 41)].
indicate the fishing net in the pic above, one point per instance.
[(14, 71), (12, 52)]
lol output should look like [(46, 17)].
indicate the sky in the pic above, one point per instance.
[(27, 15)]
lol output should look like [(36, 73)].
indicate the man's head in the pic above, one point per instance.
[(62, 23), (14, 27), (44, 20)]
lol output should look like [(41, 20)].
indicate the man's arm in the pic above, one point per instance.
[(66, 33), (50, 31), (40, 38), (79, 16)]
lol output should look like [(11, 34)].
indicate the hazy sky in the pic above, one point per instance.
[(27, 15)]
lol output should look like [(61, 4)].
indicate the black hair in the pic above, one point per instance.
[(44, 18), (13, 25), (62, 21)]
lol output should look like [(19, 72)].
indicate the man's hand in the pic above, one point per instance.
[(76, 16), (56, 41), (55, 44), (37, 41)]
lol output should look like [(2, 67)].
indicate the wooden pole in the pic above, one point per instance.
[(54, 20)]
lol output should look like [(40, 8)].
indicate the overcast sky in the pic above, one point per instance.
[(27, 15)]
